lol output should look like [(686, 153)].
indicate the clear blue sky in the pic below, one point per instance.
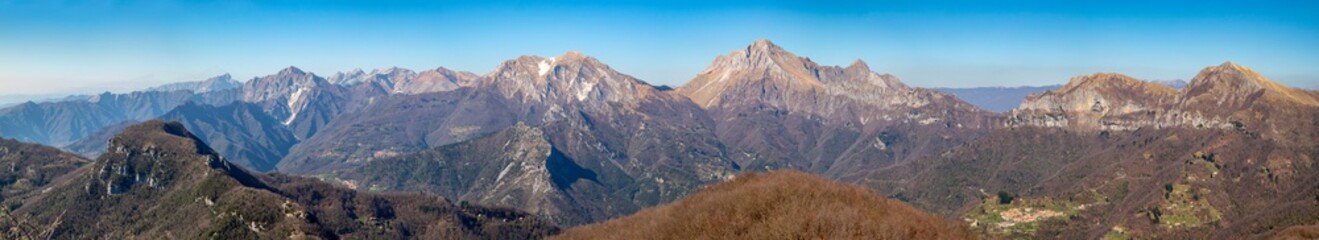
[(87, 46)]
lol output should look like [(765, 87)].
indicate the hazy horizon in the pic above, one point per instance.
[(57, 48)]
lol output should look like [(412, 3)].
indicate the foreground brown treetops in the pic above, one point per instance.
[(783, 204)]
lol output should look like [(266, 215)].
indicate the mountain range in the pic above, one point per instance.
[(572, 142)]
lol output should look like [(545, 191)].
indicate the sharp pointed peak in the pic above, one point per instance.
[(1230, 64), (763, 46), (1232, 68), (763, 43), (858, 63), (291, 70)]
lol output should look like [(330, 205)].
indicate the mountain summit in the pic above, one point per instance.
[(766, 73), (217, 83), (775, 109), (568, 78), (1236, 85)]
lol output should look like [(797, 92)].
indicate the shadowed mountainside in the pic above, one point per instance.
[(29, 167), (157, 180)]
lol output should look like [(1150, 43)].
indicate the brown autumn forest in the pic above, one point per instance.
[(784, 204)]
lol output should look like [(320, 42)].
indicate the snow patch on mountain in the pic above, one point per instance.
[(585, 90), (295, 104), (545, 66)]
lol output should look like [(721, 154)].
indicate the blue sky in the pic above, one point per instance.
[(89, 46)]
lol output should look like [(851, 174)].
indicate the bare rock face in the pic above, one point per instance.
[(1094, 101), (1228, 96), (510, 168), (435, 80), (549, 87), (301, 100), (777, 110), (765, 74)]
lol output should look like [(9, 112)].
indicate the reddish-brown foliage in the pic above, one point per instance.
[(777, 205)]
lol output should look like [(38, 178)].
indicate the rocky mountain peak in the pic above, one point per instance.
[(291, 70), (158, 134), (764, 47), (394, 72), (789, 81), (1113, 83), (572, 55), (348, 78), (1233, 84), (282, 84), (222, 77), (858, 66), (435, 80), (216, 83), (1085, 101), (153, 155), (1108, 101), (571, 77)]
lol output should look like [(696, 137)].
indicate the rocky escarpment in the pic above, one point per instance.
[(1102, 100), (551, 88), (1228, 96), (397, 80)]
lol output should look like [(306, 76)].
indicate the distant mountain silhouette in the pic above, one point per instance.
[(996, 99)]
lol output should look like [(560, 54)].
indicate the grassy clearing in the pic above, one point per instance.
[(1020, 218), (1184, 207)]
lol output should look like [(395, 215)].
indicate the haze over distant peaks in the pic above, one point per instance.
[(217, 83)]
